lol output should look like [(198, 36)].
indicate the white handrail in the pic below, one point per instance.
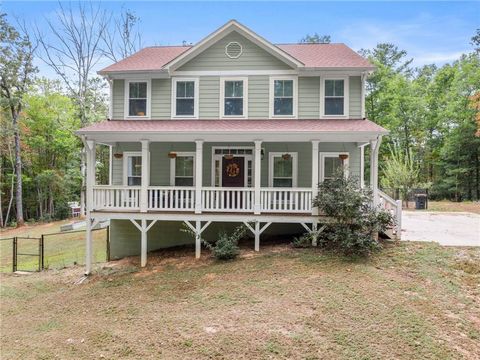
[(232, 199), (179, 198), (396, 210), (286, 200)]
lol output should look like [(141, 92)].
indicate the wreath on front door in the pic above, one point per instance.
[(233, 170)]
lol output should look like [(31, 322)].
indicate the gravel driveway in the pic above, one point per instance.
[(446, 228)]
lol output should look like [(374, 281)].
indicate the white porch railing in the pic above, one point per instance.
[(227, 199), (287, 200), (116, 197), (213, 199), (171, 198), (395, 208)]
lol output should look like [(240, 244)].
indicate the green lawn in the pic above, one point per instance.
[(412, 301), (61, 250)]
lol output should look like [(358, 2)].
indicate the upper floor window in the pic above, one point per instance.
[(137, 99), (283, 93), (234, 97), (335, 100), (185, 98)]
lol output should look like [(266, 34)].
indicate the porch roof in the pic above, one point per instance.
[(271, 130), (234, 125)]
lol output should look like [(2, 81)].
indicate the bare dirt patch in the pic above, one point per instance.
[(412, 301)]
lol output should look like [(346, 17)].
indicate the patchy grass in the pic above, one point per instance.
[(61, 250), (412, 301), (465, 206)]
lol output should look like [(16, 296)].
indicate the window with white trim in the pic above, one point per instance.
[(133, 163), (332, 164), (185, 98), (183, 169), (283, 97), (137, 98), (335, 97), (234, 97), (283, 170)]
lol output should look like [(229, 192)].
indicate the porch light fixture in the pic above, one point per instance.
[(286, 156), (172, 154), (228, 156), (343, 157)]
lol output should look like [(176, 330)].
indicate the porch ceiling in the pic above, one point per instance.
[(328, 130)]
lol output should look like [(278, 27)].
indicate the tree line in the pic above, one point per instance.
[(433, 113)]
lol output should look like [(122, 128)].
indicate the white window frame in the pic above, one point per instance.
[(219, 157), (324, 155), (126, 108), (222, 97), (126, 155), (196, 99), (173, 165), (272, 97), (346, 97), (273, 155)]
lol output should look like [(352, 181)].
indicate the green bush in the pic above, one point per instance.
[(356, 221), (226, 246)]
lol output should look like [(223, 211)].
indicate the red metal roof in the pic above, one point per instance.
[(312, 55), (234, 125)]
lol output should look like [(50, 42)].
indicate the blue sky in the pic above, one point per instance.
[(431, 32)]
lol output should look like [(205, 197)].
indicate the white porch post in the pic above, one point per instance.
[(90, 148), (145, 176), (143, 251), (314, 173), (374, 149), (198, 237), (257, 236), (198, 176), (362, 166), (257, 179)]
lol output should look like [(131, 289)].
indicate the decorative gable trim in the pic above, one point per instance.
[(226, 29)]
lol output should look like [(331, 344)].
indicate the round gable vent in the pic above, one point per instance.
[(233, 50)]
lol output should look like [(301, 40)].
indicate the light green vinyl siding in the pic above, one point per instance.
[(160, 162), (258, 97), (209, 101), (309, 97), (355, 97), (161, 95), (118, 99), (253, 57)]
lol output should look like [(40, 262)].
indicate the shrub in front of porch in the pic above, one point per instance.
[(226, 246), (357, 221)]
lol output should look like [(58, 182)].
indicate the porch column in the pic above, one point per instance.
[(374, 148), (90, 182), (258, 176), (143, 245), (145, 176), (314, 173), (198, 176), (362, 166)]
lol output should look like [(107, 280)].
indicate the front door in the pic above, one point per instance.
[(233, 172)]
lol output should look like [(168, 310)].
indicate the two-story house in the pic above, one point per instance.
[(232, 130)]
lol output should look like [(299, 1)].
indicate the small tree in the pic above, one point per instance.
[(401, 172), (356, 221), (315, 39), (16, 75)]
